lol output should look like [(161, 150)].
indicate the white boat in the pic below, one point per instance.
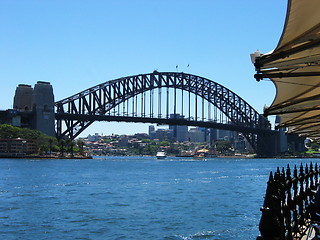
[(161, 155)]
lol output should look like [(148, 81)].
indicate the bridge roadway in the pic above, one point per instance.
[(163, 121), (163, 98)]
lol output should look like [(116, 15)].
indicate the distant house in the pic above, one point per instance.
[(17, 147), (94, 138)]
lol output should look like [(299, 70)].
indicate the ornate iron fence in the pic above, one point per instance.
[(288, 202)]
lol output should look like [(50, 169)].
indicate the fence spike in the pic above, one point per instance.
[(288, 171), (301, 170), (287, 199), (271, 177), (295, 171)]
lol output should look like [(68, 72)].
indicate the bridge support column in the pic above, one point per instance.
[(267, 144), (38, 104)]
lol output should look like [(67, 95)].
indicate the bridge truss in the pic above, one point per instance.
[(160, 97)]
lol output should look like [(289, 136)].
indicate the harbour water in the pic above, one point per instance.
[(134, 198)]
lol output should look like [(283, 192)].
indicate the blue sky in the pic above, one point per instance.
[(76, 44)]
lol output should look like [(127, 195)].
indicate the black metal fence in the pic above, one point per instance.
[(288, 202)]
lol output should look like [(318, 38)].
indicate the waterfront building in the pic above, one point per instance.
[(17, 147)]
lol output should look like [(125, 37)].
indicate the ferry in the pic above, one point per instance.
[(199, 156), (161, 155), (204, 153)]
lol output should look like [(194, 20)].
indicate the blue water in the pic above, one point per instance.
[(134, 198)]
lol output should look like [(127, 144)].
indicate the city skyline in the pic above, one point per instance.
[(75, 45)]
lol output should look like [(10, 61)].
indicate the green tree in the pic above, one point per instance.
[(222, 146), (164, 143), (80, 145), (69, 144), (62, 145), (314, 146), (42, 140)]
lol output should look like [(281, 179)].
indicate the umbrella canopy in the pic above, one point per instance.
[(294, 68)]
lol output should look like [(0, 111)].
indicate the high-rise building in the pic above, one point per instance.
[(196, 135), (162, 134), (283, 139), (151, 129), (180, 133)]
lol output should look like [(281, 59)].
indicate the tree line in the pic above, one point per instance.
[(45, 143)]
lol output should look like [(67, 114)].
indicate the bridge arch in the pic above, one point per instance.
[(99, 103)]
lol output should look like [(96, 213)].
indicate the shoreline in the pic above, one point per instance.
[(45, 157), (91, 157)]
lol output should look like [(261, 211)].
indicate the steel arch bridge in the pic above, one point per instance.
[(160, 97)]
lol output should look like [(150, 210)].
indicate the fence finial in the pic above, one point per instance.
[(286, 204)]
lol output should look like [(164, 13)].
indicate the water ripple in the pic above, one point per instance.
[(133, 198)]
